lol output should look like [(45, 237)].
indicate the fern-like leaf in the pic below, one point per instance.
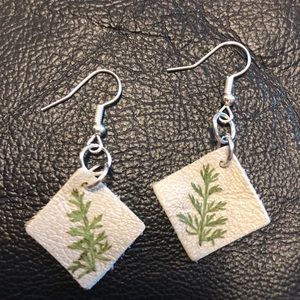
[(197, 188), (213, 206), (214, 189), (216, 234), (92, 245), (196, 204), (204, 225), (216, 222)]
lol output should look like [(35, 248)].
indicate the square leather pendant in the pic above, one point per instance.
[(210, 206), (86, 231)]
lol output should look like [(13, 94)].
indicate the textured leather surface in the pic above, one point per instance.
[(243, 210), (50, 227), (161, 124)]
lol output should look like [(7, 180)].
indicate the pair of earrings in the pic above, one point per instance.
[(210, 202)]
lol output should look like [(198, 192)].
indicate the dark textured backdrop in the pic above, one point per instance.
[(161, 124)]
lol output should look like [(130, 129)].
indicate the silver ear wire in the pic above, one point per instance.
[(94, 144), (99, 127), (228, 89), (224, 116)]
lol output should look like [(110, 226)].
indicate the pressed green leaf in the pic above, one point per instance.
[(196, 204), (216, 222), (183, 218), (214, 177), (191, 232), (209, 218), (75, 266), (93, 244), (87, 271), (75, 202), (205, 223), (188, 220), (196, 221), (102, 258), (87, 207), (209, 176), (197, 189), (95, 222), (214, 189), (77, 195), (105, 247), (206, 232), (75, 232), (79, 245), (88, 260), (100, 237), (75, 216), (213, 206), (216, 234)]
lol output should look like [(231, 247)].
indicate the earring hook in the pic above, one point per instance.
[(99, 127), (228, 96), (83, 82), (94, 144)]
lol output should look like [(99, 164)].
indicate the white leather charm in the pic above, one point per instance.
[(210, 206), (86, 231)]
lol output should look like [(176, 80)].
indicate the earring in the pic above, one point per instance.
[(82, 226), (211, 202)]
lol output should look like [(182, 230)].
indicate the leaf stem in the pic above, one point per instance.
[(205, 198)]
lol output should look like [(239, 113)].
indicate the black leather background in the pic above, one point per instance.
[(161, 124)]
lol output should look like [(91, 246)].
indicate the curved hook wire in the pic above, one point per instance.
[(229, 43), (228, 97), (83, 82), (92, 146)]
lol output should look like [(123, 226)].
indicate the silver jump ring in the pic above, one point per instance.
[(225, 164), (229, 116), (99, 148), (102, 174), (216, 129)]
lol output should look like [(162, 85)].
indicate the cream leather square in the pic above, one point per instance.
[(85, 231), (209, 206)]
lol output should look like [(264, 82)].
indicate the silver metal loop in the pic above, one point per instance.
[(100, 177), (229, 116), (232, 134), (225, 164), (104, 171), (96, 149), (98, 142), (87, 149)]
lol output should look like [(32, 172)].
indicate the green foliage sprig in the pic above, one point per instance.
[(92, 243), (204, 224)]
